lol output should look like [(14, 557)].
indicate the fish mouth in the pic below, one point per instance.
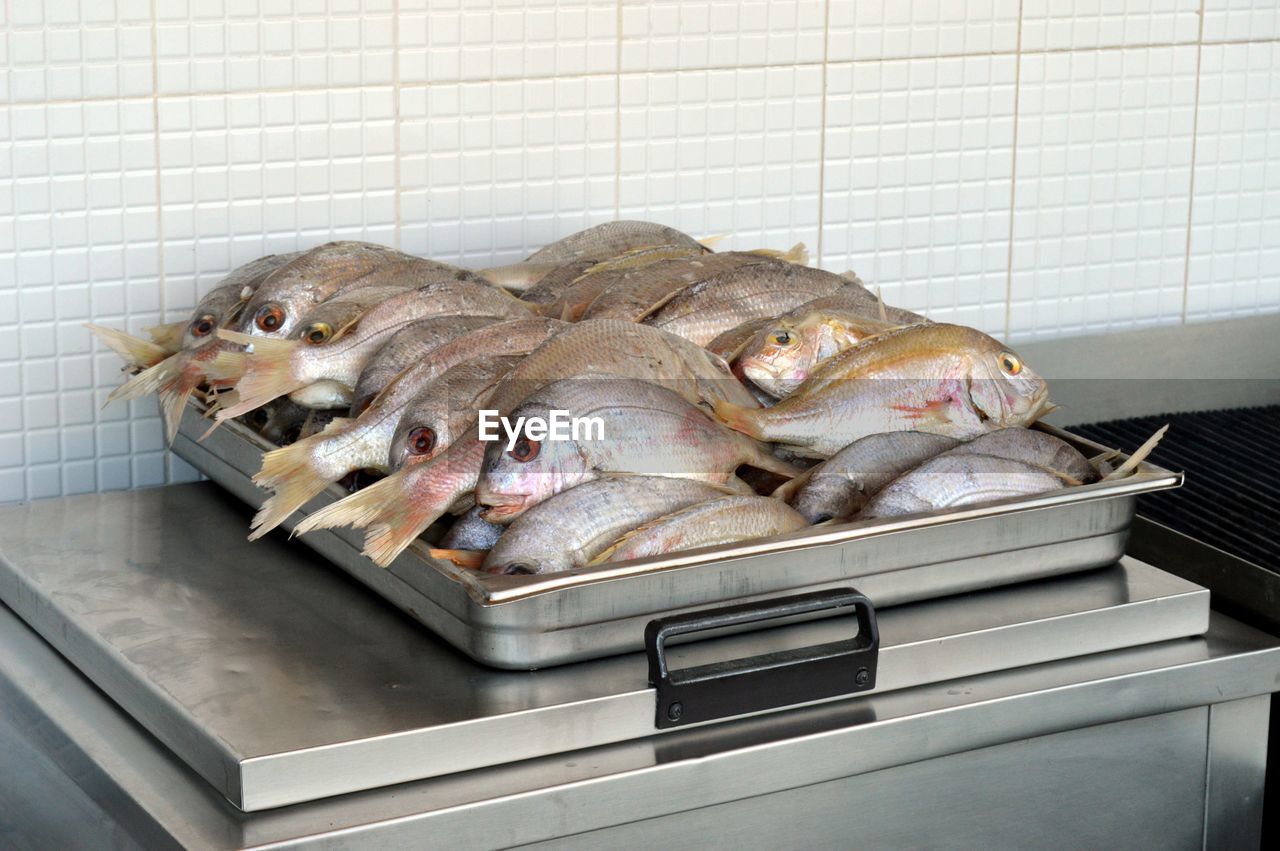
[(498, 507)]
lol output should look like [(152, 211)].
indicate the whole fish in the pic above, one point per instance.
[(177, 376), (839, 487), (471, 532), (398, 508), (629, 426), (286, 295), (572, 527), (956, 480), (408, 347), (593, 244), (276, 367), (630, 268), (638, 292), (727, 520), (1032, 446), (943, 379), (609, 240), (299, 472), (782, 354), (444, 409), (707, 309)]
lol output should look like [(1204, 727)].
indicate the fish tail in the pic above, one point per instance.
[(135, 351), (738, 418), (1137, 457), (269, 372), (470, 559), (167, 336), (173, 400), (798, 254), (710, 242), (297, 473), (388, 509)]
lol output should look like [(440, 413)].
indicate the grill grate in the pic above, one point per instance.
[(1231, 498)]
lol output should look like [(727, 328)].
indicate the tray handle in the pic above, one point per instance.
[(770, 680)]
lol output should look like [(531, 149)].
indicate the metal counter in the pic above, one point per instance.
[(1096, 709)]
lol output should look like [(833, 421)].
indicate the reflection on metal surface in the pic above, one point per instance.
[(279, 679)]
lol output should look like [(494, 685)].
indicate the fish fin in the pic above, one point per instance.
[(929, 411), (788, 490), (173, 400), (268, 372), (135, 351), (737, 417), (470, 559), (798, 254), (150, 380), (884, 314), (1137, 457), (291, 472), (392, 515), (167, 336), (712, 241), (606, 555), (210, 430), (762, 459), (656, 305), (567, 312)]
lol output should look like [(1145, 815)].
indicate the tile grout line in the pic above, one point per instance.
[(396, 120), (1191, 182), (822, 134), (617, 113), (1013, 176), (155, 141)]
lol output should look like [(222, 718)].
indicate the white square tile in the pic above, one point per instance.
[(1077, 24), (893, 29), (919, 158), (67, 50), (490, 171), (665, 35), (1241, 20), (1235, 214), (244, 175), (82, 243), (1102, 194), (731, 152), (506, 39), (258, 44)]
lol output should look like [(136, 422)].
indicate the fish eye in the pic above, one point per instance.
[(525, 450), (269, 317), (781, 338), (317, 332), (202, 326), (518, 568), (421, 440), (1010, 364)]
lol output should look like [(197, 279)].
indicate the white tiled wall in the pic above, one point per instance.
[(1032, 167)]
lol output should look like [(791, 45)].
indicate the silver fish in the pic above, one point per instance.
[(954, 481), (727, 520)]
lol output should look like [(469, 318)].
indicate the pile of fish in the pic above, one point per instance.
[(722, 396)]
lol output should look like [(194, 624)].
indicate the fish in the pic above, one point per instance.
[(550, 286), (281, 301), (639, 428), (407, 347), (957, 480), (611, 239), (838, 487), (299, 472), (573, 300), (471, 533), (639, 292), (782, 354), (752, 291), (175, 378), (276, 367), (1032, 447), (397, 509), (568, 530), (943, 379), (726, 520), (444, 409)]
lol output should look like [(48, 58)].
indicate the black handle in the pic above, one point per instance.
[(770, 680)]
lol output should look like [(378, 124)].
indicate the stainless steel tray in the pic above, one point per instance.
[(526, 622)]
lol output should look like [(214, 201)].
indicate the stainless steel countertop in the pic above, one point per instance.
[(279, 679)]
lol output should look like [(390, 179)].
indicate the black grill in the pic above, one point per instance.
[(1231, 498)]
